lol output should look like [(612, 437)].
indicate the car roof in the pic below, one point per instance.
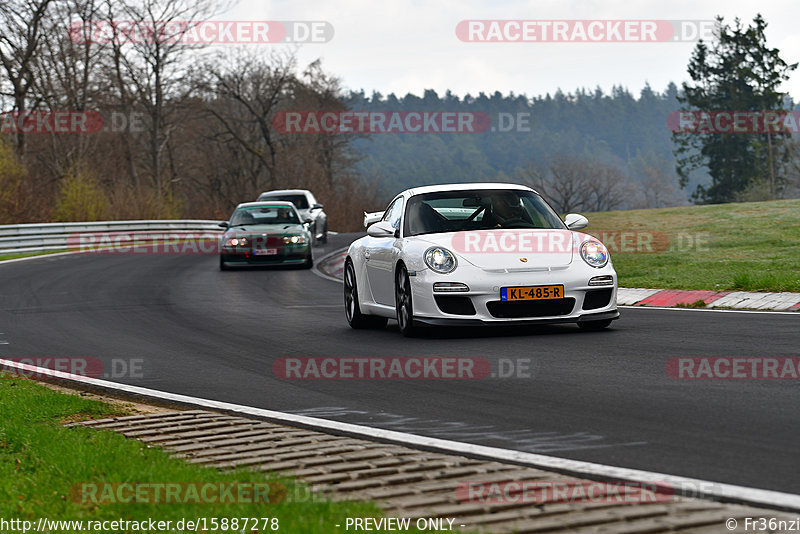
[(256, 204), (463, 187), (286, 192)]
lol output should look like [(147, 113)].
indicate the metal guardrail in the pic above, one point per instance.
[(44, 237)]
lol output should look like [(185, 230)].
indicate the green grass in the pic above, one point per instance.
[(752, 246), (41, 461)]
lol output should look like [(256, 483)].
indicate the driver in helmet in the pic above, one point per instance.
[(505, 208)]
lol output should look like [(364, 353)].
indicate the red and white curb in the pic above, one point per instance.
[(332, 267), (739, 300)]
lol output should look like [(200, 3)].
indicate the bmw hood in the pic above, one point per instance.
[(514, 250), (269, 229)]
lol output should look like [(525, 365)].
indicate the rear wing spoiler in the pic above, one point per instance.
[(370, 218)]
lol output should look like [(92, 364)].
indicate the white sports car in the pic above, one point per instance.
[(477, 254)]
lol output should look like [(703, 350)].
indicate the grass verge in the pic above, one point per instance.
[(43, 466), (28, 254), (725, 247)]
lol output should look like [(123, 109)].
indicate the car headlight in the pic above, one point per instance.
[(237, 242), (440, 260), (594, 253), (294, 240)]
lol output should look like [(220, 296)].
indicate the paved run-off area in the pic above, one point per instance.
[(478, 495)]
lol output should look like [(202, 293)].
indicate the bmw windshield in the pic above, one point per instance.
[(264, 215)]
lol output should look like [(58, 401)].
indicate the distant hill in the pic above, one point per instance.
[(617, 128)]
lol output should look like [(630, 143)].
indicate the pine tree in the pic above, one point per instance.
[(737, 72)]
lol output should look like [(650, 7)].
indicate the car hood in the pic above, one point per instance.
[(271, 229), (516, 250)]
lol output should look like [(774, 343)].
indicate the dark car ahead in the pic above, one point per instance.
[(265, 233)]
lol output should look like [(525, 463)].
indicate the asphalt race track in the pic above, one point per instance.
[(601, 397)]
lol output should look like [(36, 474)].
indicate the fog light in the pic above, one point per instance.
[(449, 287), (605, 280)]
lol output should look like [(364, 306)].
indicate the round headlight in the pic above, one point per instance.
[(237, 242), (440, 260), (594, 253)]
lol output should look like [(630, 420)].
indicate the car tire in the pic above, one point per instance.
[(222, 266), (352, 310), (404, 304), (594, 326), (309, 262)]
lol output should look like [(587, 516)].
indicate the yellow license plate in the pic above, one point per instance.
[(532, 292)]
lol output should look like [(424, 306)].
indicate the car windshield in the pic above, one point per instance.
[(455, 211), (264, 215), (300, 201)]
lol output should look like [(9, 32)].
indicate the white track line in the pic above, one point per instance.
[(693, 487), (40, 256)]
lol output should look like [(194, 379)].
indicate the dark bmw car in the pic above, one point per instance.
[(265, 233)]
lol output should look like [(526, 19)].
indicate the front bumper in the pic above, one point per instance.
[(580, 302), (448, 321), (284, 255)]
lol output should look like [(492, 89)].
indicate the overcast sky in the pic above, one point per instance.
[(405, 46)]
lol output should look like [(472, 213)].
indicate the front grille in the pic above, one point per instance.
[(597, 298), (530, 308), (455, 305), (269, 241)]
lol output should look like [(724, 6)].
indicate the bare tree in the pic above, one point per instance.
[(69, 76), (154, 70), (563, 181), (324, 92), (609, 188), (21, 23), (579, 184), (659, 189), (243, 97)]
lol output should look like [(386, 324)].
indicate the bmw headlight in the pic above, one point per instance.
[(294, 240), (237, 242), (594, 253), (440, 260)]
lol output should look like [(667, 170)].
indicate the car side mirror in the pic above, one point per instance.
[(381, 229), (316, 206), (308, 220), (575, 221), (223, 224)]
